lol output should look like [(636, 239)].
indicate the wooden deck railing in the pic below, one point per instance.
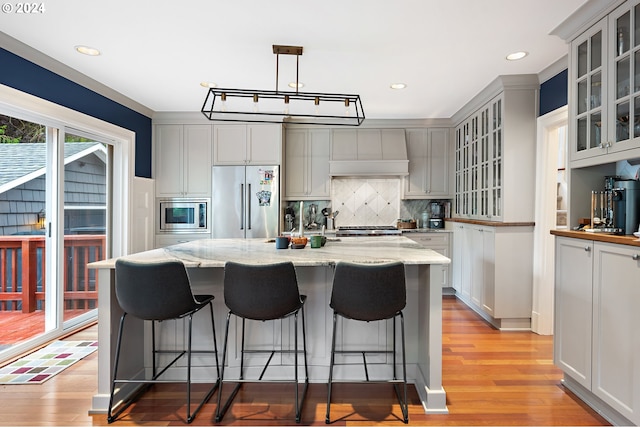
[(22, 272)]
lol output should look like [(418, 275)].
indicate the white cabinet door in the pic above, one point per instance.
[(488, 270), (616, 342), (573, 308), (229, 144), (168, 160), (247, 144), (476, 264), (296, 157), (438, 163), (183, 161), (307, 154), (428, 153), (197, 160), (264, 144), (320, 151), (458, 261)]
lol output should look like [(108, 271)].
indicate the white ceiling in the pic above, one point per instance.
[(157, 52)]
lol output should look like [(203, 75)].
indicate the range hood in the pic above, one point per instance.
[(369, 152)]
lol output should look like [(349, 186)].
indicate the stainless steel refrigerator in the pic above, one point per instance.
[(245, 201)]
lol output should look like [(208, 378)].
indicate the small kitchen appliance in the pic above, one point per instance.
[(436, 220), (182, 215), (626, 205), (616, 209)]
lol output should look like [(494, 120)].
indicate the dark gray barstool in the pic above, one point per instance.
[(157, 292), (370, 292), (263, 292)]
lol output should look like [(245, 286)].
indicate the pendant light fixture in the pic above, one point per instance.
[(275, 106)]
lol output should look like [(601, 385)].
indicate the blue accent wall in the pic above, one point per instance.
[(28, 77), (553, 93)]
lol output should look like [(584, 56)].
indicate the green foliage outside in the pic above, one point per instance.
[(14, 131)]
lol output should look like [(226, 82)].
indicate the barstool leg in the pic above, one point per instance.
[(110, 416), (327, 419), (405, 404), (219, 411), (189, 415)]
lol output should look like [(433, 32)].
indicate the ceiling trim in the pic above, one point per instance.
[(30, 54), (583, 18)]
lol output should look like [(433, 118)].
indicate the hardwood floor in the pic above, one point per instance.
[(491, 378)]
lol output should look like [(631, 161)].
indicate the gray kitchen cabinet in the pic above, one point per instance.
[(605, 89), (247, 144), (306, 164), (428, 151), (439, 242), (573, 308), (183, 160), (492, 272), (492, 182), (616, 343), (595, 338)]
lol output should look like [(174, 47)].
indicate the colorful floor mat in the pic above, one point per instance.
[(39, 366)]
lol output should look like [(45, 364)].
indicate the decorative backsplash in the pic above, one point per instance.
[(366, 201)]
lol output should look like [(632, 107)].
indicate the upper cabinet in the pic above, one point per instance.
[(604, 70), (306, 165), (429, 158), (247, 144), (492, 182), (183, 160)]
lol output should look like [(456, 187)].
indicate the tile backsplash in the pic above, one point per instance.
[(366, 201)]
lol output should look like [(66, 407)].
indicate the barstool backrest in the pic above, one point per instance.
[(368, 291), (261, 292), (154, 290)]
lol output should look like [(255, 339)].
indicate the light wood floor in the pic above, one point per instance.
[(491, 378)]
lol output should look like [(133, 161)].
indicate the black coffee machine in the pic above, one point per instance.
[(626, 205)]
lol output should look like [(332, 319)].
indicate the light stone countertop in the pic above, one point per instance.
[(215, 252)]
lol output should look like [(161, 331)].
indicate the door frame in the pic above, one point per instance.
[(545, 220), (28, 107)]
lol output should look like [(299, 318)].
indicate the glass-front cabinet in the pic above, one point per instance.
[(605, 85), (494, 147), (479, 164)]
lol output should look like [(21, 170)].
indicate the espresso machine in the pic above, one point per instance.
[(626, 205), (436, 220), (616, 209)]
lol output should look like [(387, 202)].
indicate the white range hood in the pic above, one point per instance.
[(368, 152)]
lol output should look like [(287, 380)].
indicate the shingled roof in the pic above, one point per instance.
[(22, 162)]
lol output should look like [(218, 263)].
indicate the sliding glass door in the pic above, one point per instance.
[(55, 186)]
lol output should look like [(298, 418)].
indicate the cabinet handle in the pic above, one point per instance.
[(587, 248), (635, 257)]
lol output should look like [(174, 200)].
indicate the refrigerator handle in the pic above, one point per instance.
[(241, 206), (249, 207)]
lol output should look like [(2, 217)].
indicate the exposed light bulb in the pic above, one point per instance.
[(347, 111), (286, 104), (317, 104), (255, 103), (223, 101)]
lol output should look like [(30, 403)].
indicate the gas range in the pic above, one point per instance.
[(367, 230)]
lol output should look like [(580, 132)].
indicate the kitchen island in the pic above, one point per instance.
[(205, 260)]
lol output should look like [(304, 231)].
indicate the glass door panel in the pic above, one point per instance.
[(23, 160), (85, 222)]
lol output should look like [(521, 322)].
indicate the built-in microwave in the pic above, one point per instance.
[(183, 215)]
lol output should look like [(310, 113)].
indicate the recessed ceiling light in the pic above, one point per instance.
[(208, 84), (86, 50), (293, 85), (516, 55), (398, 85)]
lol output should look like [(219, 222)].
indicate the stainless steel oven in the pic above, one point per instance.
[(183, 215)]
